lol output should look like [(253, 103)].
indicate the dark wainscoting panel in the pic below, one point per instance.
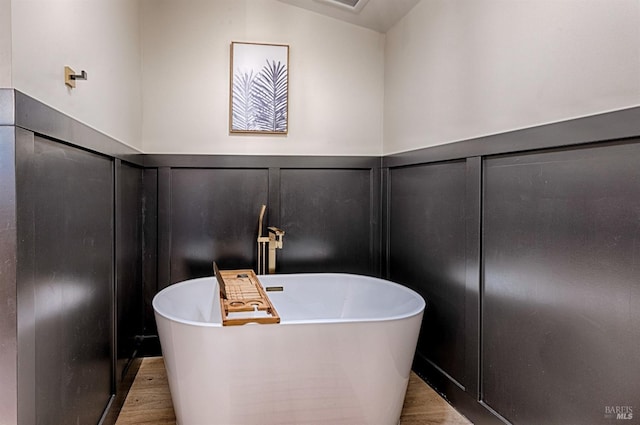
[(327, 217), (427, 252), (129, 296), (561, 266), (8, 277), (25, 147), (72, 191), (214, 216), (150, 253)]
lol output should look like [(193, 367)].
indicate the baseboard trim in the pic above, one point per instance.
[(110, 415), (472, 409)]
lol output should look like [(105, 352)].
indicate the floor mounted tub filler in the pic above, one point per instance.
[(341, 353)]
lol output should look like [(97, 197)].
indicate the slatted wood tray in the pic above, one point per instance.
[(242, 292)]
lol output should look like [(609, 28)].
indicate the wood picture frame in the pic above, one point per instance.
[(259, 88)]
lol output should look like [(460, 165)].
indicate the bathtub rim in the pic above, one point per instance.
[(408, 315)]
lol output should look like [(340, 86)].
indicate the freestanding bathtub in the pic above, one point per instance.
[(341, 354)]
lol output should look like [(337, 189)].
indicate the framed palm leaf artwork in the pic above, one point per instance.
[(259, 94)]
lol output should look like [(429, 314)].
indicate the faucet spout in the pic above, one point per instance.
[(273, 240), (276, 235)]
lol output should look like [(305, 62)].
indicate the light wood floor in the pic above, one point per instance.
[(149, 401)]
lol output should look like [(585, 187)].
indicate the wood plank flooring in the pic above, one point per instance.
[(149, 401)]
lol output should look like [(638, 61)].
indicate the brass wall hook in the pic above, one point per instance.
[(70, 77)]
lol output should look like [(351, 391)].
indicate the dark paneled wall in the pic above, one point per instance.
[(150, 254), (427, 253), (72, 191), (128, 249), (329, 221), (8, 277), (561, 325), (529, 263), (72, 234), (214, 216), (528, 260)]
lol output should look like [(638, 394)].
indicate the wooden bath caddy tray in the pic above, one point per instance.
[(242, 296)]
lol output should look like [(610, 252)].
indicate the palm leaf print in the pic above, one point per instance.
[(244, 113), (270, 97)]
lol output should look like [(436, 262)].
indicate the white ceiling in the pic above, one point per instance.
[(378, 15)]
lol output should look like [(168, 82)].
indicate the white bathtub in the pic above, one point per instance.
[(341, 354)]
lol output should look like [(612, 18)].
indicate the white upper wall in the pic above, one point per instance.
[(450, 70), (98, 36), (336, 83), (459, 69), (5, 44)]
